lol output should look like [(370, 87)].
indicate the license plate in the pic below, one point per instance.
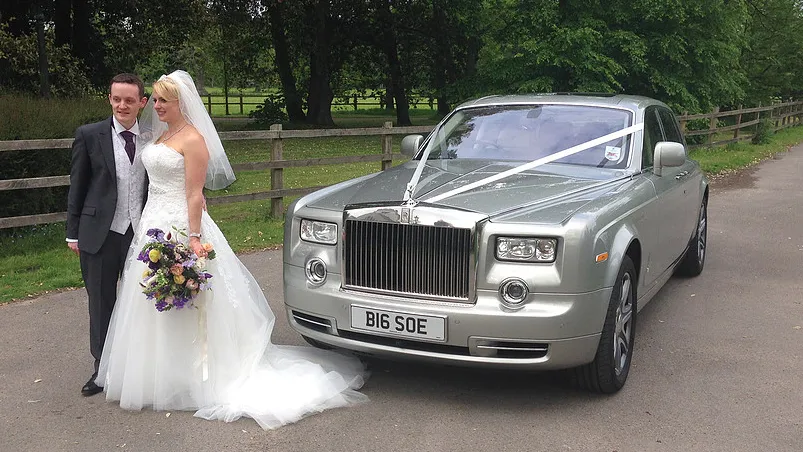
[(398, 323)]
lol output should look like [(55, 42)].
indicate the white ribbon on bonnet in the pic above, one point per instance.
[(530, 165)]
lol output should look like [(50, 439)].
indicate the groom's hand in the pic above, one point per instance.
[(74, 247)]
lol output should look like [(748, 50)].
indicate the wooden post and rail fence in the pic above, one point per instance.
[(241, 104), (781, 116)]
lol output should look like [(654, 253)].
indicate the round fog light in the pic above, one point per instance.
[(316, 271), (514, 291)]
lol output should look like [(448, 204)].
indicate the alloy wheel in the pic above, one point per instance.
[(623, 334)]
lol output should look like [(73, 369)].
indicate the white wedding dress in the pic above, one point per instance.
[(157, 359)]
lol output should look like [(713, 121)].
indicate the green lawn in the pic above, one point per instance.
[(36, 260), (250, 98)]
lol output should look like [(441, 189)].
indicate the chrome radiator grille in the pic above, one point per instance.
[(423, 261)]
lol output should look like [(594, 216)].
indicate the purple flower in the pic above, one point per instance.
[(160, 306), (156, 233)]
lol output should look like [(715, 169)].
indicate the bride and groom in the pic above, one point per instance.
[(129, 176)]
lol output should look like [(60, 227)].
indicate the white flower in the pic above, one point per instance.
[(201, 263)]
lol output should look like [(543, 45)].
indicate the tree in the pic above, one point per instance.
[(685, 53), (773, 51), (284, 65), (387, 22)]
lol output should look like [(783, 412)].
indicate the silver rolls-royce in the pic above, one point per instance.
[(525, 232)]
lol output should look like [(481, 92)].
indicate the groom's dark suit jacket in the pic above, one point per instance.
[(93, 186)]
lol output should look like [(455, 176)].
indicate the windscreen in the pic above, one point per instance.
[(530, 132)]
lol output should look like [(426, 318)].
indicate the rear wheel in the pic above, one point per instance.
[(694, 260), (608, 372)]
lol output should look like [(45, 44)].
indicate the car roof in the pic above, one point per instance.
[(593, 99)]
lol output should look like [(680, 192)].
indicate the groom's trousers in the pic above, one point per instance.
[(101, 272)]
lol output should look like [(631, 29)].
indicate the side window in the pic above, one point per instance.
[(652, 135), (670, 126)]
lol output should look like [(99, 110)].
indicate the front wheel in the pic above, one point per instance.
[(608, 372)]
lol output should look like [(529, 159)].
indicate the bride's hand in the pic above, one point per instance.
[(197, 247)]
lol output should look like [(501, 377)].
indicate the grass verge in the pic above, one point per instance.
[(35, 260), (722, 160)]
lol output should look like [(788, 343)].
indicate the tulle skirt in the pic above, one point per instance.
[(217, 358)]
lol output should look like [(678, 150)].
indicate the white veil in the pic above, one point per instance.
[(218, 172)]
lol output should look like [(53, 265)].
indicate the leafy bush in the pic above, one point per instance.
[(764, 132), (35, 163), (696, 124), (25, 117), (271, 111), (20, 69)]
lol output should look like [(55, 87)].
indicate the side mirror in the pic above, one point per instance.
[(410, 145), (668, 154)]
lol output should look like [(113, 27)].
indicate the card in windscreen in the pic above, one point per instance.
[(399, 324)]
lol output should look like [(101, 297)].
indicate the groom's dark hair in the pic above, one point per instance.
[(131, 79)]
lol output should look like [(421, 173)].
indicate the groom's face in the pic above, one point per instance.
[(126, 102)]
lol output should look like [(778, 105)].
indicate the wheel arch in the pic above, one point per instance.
[(625, 243)]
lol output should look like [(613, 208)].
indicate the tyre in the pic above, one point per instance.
[(608, 372), (694, 260)]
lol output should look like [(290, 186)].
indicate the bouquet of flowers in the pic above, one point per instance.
[(175, 275)]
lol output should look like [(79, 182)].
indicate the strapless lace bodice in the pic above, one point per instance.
[(167, 196), (165, 168)]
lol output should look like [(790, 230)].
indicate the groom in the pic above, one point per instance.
[(104, 205)]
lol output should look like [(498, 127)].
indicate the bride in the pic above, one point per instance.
[(218, 359)]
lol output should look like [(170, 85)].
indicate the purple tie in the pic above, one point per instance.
[(130, 146)]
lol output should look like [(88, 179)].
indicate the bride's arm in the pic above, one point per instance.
[(196, 158)]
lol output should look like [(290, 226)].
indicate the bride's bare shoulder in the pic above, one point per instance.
[(192, 133), (193, 139)]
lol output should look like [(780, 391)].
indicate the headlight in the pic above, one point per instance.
[(525, 249), (319, 232)]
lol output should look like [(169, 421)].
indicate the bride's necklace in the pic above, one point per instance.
[(174, 133)]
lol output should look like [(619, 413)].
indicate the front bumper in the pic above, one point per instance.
[(552, 331)]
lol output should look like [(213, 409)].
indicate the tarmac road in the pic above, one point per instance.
[(717, 366)]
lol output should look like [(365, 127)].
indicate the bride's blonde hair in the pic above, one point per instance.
[(166, 88)]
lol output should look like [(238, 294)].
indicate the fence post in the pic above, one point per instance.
[(712, 125), (683, 123), (241, 103), (276, 174), (772, 115), (758, 120), (738, 123), (209, 103), (387, 147)]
